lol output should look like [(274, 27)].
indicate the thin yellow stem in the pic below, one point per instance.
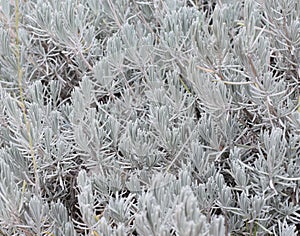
[(22, 103), (184, 85)]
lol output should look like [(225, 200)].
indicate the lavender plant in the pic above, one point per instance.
[(149, 117)]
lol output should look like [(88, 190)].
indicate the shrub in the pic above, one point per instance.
[(149, 117)]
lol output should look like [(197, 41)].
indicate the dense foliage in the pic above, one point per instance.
[(150, 117)]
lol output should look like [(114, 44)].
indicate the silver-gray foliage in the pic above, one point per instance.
[(177, 117)]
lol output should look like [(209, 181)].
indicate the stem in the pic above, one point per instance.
[(21, 102)]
